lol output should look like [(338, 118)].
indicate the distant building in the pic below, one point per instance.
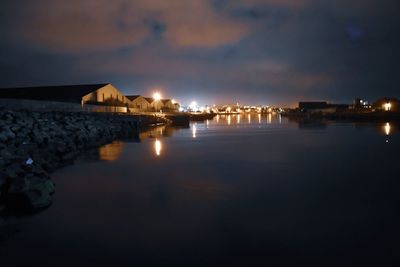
[(305, 106), (386, 104), (168, 105), (139, 102), (360, 105), (82, 94), (155, 105), (322, 107)]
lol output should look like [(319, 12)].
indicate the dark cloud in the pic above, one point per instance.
[(260, 51)]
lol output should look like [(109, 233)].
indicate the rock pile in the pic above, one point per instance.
[(34, 144)]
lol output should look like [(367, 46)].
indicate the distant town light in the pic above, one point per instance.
[(157, 96), (173, 101), (387, 106), (193, 106)]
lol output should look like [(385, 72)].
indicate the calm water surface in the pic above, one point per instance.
[(237, 190)]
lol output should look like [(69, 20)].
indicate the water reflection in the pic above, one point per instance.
[(157, 132), (157, 147), (244, 118), (227, 209), (387, 128), (194, 130), (111, 152), (269, 118)]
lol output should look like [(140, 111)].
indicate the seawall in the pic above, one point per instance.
[(34, 144)]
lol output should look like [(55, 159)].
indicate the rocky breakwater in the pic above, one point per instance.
[(34, 144)]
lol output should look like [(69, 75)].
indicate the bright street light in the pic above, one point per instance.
[(157, 96)]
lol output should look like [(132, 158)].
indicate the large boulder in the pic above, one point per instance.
[(30, 193)]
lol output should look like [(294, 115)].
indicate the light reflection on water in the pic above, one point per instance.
[(157, 147), (194, 130), (238, 194), (387, 128), (111, 152)]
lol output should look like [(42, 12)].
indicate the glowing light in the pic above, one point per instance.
[(217, 118), (259, 118), (193, 106), (173, 101), (238, 119), (387, 106), (194, 130), (387, 128), (157, 96), (269, 118), (157, 147), (228, 110), (249, 118), (207, 123), (229, 119)]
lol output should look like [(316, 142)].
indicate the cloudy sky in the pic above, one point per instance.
[(214, 51)]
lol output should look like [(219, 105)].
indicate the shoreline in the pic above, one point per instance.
[(345, 116), (35, 144)]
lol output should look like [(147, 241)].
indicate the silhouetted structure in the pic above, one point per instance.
[(104, 93)]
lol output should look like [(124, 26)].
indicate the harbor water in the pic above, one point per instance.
[(238, 190)]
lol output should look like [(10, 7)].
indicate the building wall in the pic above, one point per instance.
[(157, 105), (323, 110), (168, 105), (104, 94), (140, 103)]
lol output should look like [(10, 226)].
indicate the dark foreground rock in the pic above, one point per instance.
[(34, 144)]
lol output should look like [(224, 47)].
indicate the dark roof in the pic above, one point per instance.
[(64, 93), (132, 97), (165, 100), (149, 99)]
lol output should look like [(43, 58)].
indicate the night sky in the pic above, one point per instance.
[(212, 51)]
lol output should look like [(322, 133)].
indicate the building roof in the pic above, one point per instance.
[(65, 93), (149, 99), (165, 100), (132, 97)]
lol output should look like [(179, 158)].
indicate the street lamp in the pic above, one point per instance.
[(157, 96)]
